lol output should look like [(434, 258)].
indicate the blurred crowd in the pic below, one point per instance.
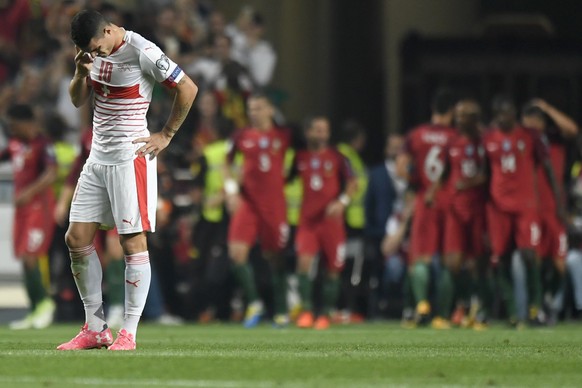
[(230, 60)]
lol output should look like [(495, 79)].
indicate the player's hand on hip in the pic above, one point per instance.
[(335, 209), (153, 144)]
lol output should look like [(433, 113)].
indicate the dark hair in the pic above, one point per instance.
[(443, 101), (258, 19), (500, 101), (351, 129), (529, 109), (85, 26), (56, 127), (260, 96), (20, 112)]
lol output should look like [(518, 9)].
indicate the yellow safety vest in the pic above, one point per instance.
[(355, 213), (293, 192), (215, 155), (65, 154)]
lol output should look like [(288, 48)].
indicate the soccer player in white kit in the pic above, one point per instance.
[(118, 185)]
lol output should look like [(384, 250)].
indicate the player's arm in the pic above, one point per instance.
[(231, 183), (542, 157), (567, 126), (396, 232), (346, 175), (430, 194), (46, 179), (79, 90), (184, 93)]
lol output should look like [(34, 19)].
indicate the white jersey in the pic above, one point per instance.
[(122, 84)]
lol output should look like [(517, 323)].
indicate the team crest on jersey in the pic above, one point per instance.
[(328, 165), (469, 150), (276, 144), (520, 145), (163, 63), (506, 146), (263, 143), (315, 163)]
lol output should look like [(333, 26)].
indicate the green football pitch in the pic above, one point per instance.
[(366, 355)]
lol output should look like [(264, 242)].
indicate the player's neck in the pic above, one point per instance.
[(441, 119), (119, 36), (317, 147), (264, 127)]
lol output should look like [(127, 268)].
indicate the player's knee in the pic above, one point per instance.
[(238, 252), (74, 239), (134, 243)]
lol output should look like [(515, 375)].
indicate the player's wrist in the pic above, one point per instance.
[(169, 132), (344, 199), (231, 187)]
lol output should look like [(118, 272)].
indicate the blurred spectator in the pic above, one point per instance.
[(14, 15), (385, 187), (227, 77), (255, 53)]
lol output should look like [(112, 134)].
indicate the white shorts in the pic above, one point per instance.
[(124, 196)]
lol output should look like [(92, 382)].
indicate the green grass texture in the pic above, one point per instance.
[(364, 355)]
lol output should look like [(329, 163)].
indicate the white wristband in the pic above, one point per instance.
[(231, 187), (344, 199)]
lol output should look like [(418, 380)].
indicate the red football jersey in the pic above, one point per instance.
[(29, 161), (322, 174), (263, 164), (465, 158), (513, 159), (426, 145), (558, 159)]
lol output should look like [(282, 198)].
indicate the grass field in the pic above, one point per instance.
[(364, 355)]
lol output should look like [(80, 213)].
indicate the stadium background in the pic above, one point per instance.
[(379, 61)]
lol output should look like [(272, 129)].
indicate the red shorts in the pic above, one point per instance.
[(465, 234), (554, 242), (268, 225), (509, 230), (427, 229), (327, 236), (34, 227)]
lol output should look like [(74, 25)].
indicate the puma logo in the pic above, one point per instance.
[(132, 283), (130, 222), (76, 275)]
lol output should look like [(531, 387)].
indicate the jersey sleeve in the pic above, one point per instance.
[(233, 146), (157, 65), (345, 170)]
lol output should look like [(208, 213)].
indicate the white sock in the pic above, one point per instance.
[(138, 276), (88, 275)]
